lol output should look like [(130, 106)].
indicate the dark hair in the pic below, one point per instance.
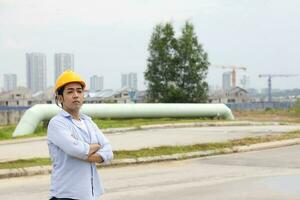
[(60, 91)]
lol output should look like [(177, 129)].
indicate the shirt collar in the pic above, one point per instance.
[(68, 115)]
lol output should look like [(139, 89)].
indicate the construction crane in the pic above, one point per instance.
[(270, 76), (233, 73)]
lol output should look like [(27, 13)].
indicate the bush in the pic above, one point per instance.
[(268, 109), (296, 107)]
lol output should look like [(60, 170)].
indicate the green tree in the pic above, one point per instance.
[(192, 66), (160, 68), (176, 68)]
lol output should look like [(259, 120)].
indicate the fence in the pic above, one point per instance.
[(11, 114), (259, 105)]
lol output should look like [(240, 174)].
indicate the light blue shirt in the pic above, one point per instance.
[(72, 176)]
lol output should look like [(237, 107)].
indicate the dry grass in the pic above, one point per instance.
[(268, 115)]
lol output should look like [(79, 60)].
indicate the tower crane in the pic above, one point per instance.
[(270, 76), (233, 73)]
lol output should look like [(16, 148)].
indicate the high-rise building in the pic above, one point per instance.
[(96, 83), (226, 80), (132, 80), (129, 80), (124, 80), (245, 82), (36, 71), (10, 82), (63, 62)]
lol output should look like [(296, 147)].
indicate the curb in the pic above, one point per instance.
[(40, 170), (158, 126)]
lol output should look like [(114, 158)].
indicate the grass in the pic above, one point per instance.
[(165, 150), (6, 131), (121, 123), (25, 163), (168, 150), (277, 115)]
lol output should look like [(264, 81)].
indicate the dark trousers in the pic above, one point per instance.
[(54, 198)]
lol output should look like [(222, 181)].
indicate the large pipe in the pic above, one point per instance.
[(33, 116)]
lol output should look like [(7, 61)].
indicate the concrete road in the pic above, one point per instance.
[(152, 138), (262, 175)]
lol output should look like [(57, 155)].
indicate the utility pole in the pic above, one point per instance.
[(270, 76)]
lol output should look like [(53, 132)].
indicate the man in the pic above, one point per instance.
[(75, 144)]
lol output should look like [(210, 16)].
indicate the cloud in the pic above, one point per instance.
[(12, 43), (97, 12), (253, 32)]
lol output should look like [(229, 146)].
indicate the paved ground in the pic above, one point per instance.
[(151, 138), (261, 175)]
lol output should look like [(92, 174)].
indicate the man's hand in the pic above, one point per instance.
[(95, 158), (93, 149)]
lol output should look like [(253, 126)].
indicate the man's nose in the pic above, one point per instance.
[(75, 94)]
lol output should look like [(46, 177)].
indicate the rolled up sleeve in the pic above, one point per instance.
[(61, 135)]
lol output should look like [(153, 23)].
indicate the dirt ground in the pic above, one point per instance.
[(277, 116)]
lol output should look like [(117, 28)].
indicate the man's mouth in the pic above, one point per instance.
[(76, 102)]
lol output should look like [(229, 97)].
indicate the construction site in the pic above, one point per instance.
[(239, 94)]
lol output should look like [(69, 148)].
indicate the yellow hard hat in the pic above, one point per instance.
[(68, 77)]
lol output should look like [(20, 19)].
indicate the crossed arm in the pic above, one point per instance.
[(93, 156), (59, 135)]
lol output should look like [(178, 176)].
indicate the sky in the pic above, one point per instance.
[(109, 38)]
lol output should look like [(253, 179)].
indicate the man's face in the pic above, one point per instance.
[(72, 98)]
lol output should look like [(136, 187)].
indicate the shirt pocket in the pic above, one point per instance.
[(80, 135), (75, 134)]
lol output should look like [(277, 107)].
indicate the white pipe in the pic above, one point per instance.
[(33, 116)]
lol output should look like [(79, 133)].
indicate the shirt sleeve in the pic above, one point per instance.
[(60, 135), (106, 150)]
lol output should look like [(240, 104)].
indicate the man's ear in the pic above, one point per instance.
[(60, 98)]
